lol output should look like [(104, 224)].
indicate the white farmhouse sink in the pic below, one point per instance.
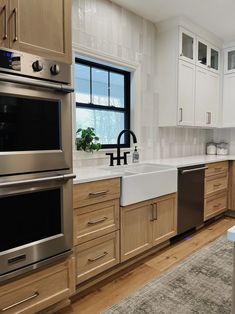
[(145, 181)]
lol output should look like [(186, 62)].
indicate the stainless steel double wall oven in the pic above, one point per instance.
[(35, 162)]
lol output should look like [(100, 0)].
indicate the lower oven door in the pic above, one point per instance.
[(35, 127), (36, 221)]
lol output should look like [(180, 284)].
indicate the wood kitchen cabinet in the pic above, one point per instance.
[(39, 27), (164, 225), (216, 189), (96, 227), (39, 290), (146, 224)]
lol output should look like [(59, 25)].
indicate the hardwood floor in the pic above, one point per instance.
[(153, 266)]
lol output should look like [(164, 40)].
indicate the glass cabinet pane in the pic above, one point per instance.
[(231, 60), (215, 59), (187, 46), (202, 53)]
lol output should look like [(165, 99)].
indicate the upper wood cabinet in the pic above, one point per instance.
[(39, 27)]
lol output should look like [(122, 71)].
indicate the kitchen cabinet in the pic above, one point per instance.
[(187, 45), (229, 60), (39, 290), (96, 256), (189, 79), (216, 189), (4, 13), (146, 224), (186, 93), (164, 225), (229, 100), (38, 27), (136, 229), (206, 98), (207, 56), (96, 227)]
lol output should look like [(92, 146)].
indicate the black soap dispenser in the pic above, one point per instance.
[(135, 156)]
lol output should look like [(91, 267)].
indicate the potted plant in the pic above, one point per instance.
[(87, 140)]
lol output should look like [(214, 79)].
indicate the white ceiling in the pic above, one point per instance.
[(216, 16)]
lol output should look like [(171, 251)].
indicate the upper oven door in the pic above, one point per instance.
[(35, 128)]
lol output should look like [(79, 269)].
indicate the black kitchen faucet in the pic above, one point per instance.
[(119, 157)]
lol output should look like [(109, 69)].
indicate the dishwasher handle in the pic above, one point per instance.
[(193, 169)]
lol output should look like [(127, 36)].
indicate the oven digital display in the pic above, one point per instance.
[(9, 61)]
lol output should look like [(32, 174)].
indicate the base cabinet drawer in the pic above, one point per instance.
[(38, 291), (216, 168), (91, 222), (95, 192), (216, 184), (97, 255), (215, 205)]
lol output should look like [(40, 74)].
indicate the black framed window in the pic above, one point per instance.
[(102, 96)]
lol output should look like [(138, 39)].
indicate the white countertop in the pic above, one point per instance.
[(88, 174)]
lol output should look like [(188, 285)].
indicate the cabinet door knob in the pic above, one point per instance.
[(181, 114)]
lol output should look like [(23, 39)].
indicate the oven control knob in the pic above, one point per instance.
[(37, 66), (55, 69)]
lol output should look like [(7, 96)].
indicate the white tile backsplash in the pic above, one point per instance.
[(108, 29)]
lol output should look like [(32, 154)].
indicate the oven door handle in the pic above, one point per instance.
[(32, 82), (64, 177)]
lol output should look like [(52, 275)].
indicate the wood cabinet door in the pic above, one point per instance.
[(165, 220), (186, 91), (42, 27), (4, 24), (136, 229)]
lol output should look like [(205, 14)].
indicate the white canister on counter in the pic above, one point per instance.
[(211, 148), (222, 148)]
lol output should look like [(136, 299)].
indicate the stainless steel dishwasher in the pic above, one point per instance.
[(190, 197)]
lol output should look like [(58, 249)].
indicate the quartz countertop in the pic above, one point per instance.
[(89, 174)]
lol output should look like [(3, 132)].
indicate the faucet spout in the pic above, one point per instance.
[(118, 143)]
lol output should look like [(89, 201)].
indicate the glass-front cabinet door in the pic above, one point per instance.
[(202, 53), (207, 56), (186, 45), (229, 60)]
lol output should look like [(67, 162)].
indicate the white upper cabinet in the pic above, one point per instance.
[(207, 56), (186, 45), (206, 98), (229, 100), (189, 80), (186, 90), (229, 60)]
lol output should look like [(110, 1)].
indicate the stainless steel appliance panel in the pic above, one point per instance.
[(21, 161), (28, 244), (190, 197)]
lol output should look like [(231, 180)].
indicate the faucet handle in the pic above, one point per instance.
[(125, 157), (111, 158)]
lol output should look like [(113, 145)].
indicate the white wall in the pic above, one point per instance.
[(106, 31)]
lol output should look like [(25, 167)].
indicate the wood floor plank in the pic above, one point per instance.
[(119, 288)]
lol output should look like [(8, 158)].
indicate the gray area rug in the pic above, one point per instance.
[(201, 284)]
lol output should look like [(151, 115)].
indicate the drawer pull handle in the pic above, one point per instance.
[(97, 257), (5, 22), (217, 205), (217, 185), (15, 13), (36, 294), (99, 193), (94, 222)]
